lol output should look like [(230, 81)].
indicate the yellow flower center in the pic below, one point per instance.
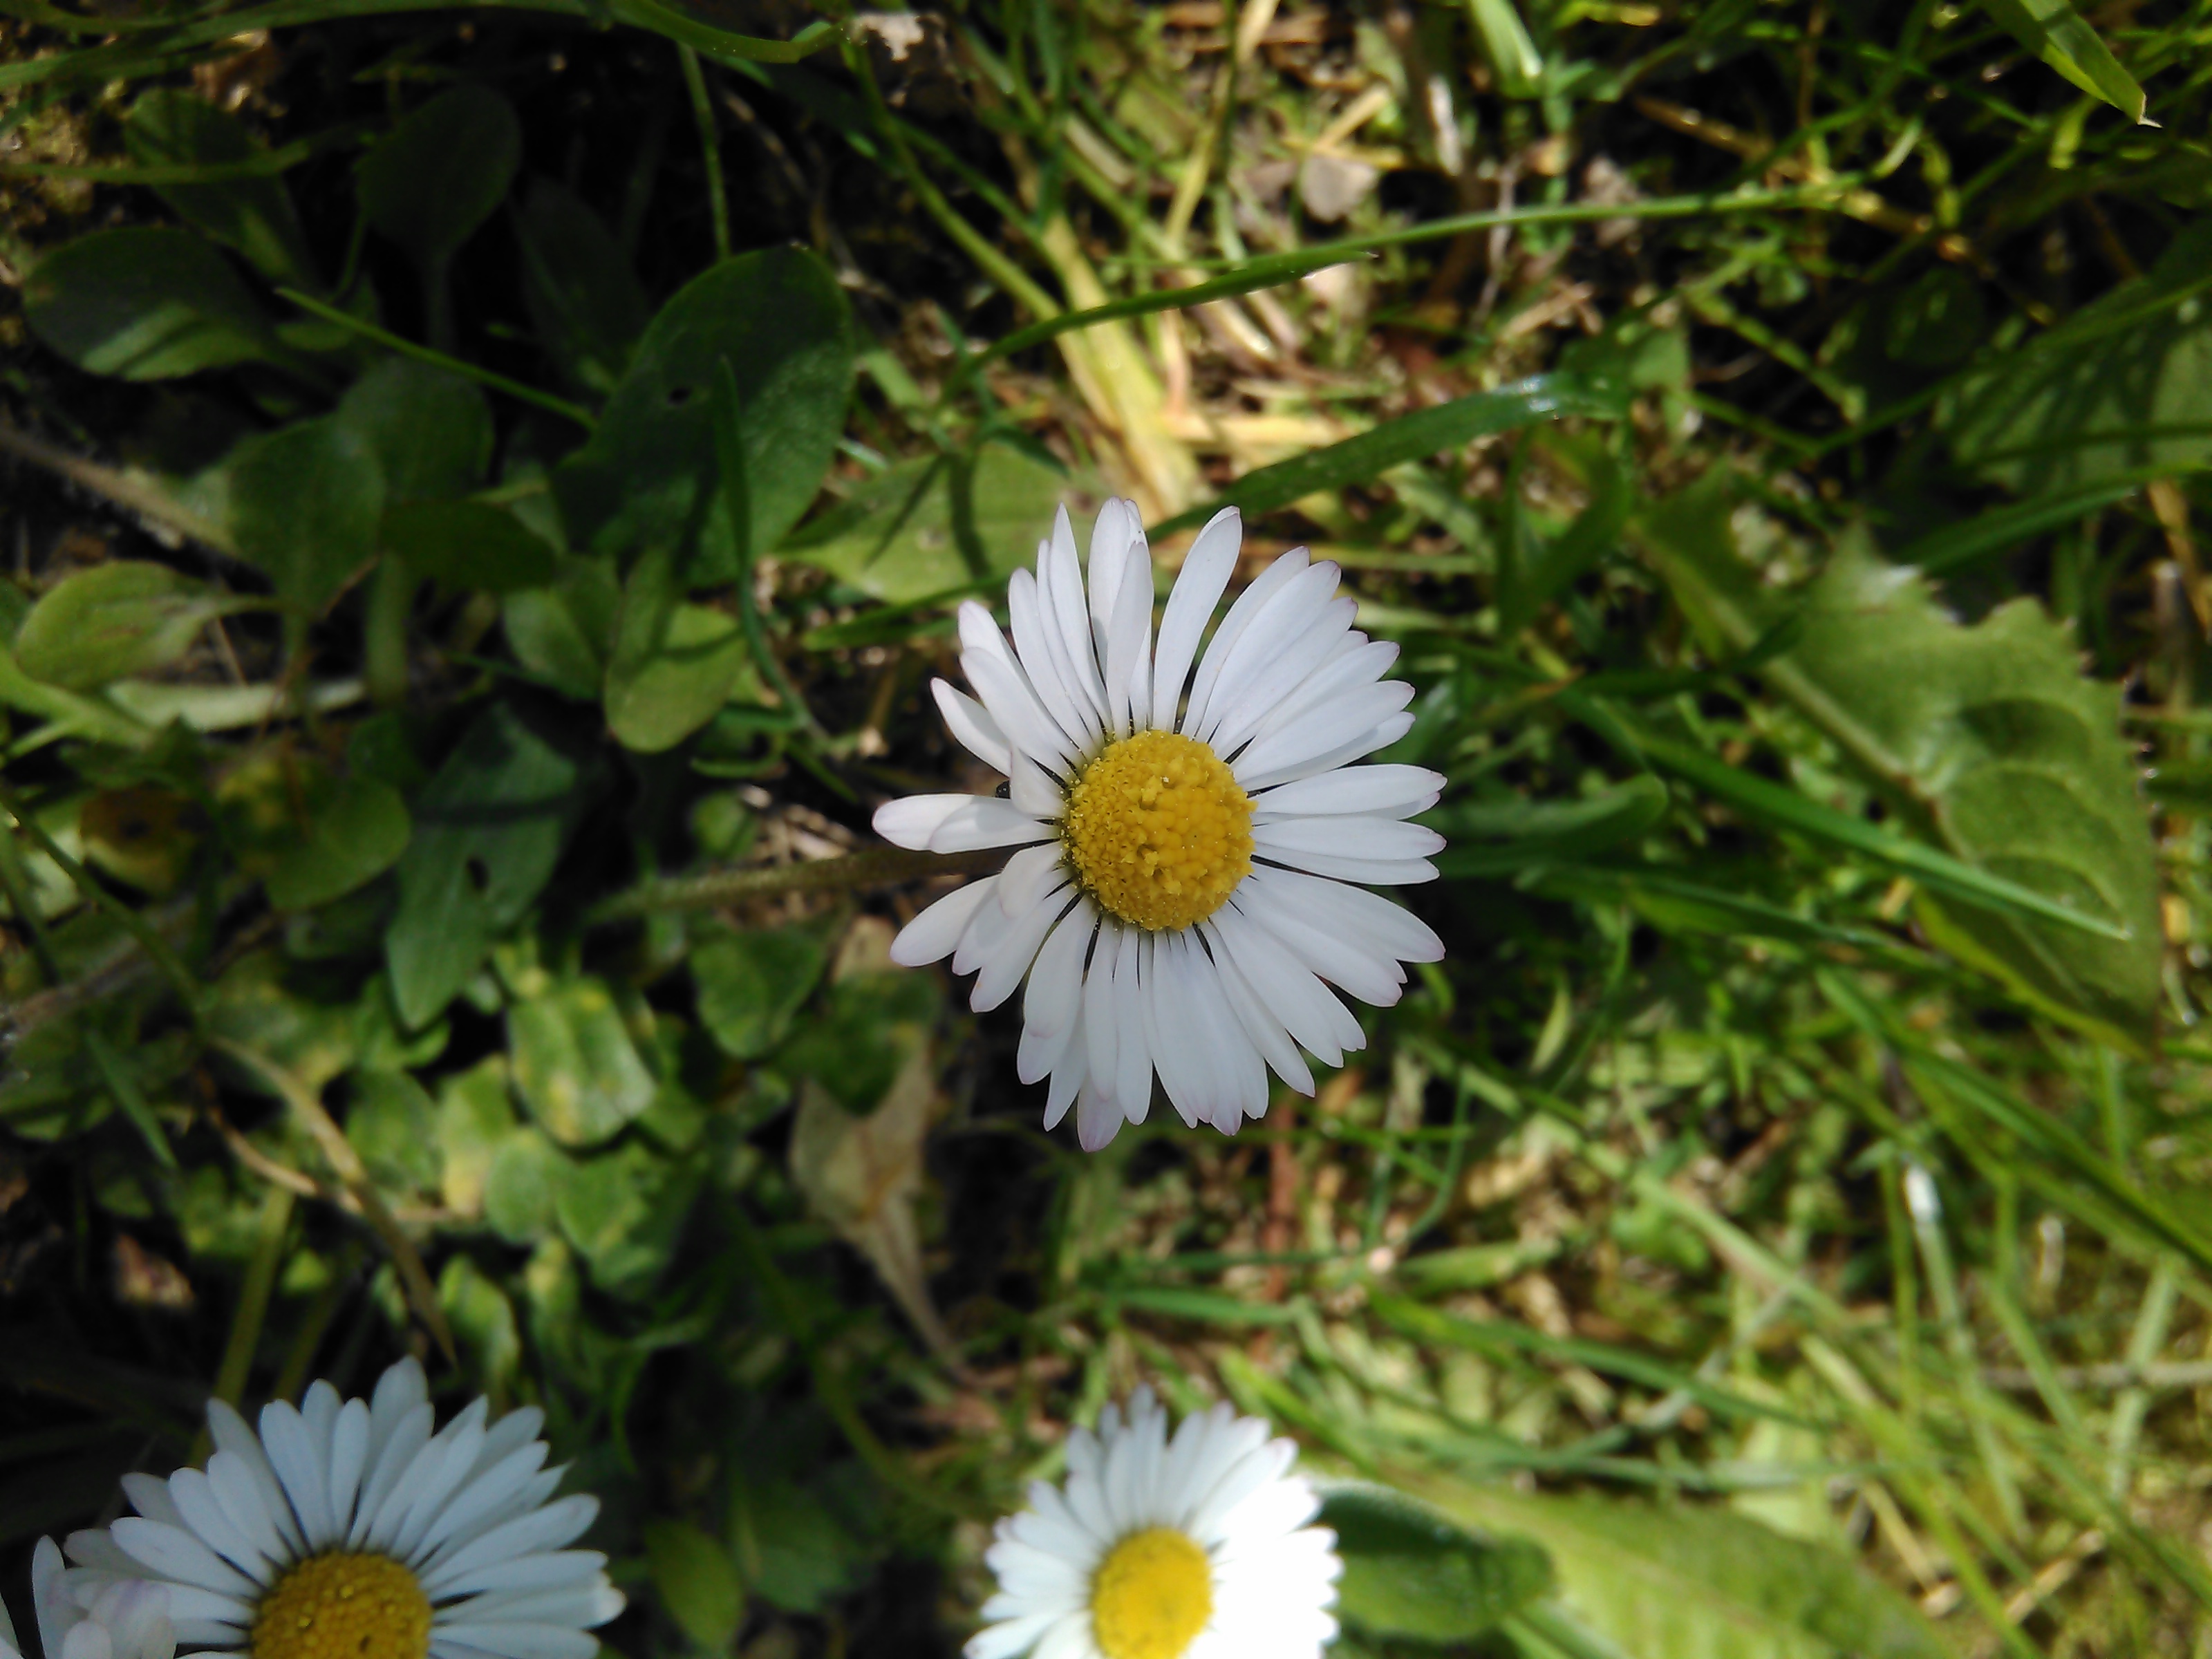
[(1158, 831), (344, 1607), (1150, 1596)]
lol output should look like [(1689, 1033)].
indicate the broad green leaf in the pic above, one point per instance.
[(2123, 385), (1680, 1581), (429, 182), (584, 299), (431, 430), (649, 478), (355, 830), (304, 502), (170, 127), (565, 632), (697, 1581), (575, 1067), (623, 1210), (474, 1119), (488, 831), (468, 546), (524, 1172), (1410, 1571), (393, 1125), (675, 665), (1986, 740), (146, 303), (2054, 31), (750, 985), (927, 526), (1410, 437), (127, 616), (660, 697)]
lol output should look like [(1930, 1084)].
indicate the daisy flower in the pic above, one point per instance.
[(127, 1620), (1185, 879), (350, 1531), (1195, 1548)]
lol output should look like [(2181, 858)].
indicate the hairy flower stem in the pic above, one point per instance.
[(881, 866)]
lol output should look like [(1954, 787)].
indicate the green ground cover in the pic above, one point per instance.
[(486, 489)]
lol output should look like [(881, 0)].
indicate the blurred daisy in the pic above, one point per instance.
[(350, 1531), (1185, 880), (116, 1621), (1195, 1548)]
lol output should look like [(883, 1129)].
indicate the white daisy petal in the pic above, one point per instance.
[(1034, 647), (1198, 589), (1388, 791), (985, 821), (1030, 790), (1133, 1055), (911, 821), (970, 724), (1156, 939), (1294, 751), (1003, 970), (933, 935), (1013, 705), (340, 1493), (1213, 1510), (1249, 603)]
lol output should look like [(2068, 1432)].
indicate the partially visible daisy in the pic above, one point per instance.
[(1185, 880), (349, 1530), (115, 1621), (1196, 1547)]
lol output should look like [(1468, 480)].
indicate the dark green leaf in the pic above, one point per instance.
[(1410, 1571), (565, 632), (429, 182), (584, 300), (355, 833), (469, 546), (697, 1581), (929, 526), (575, 1067), (1410, 437), (1986, 740), (525, 1170), (487, 832), (304, 504), (393, 1125), (124, 617), (750, 984), (675, 665), (647, 478), (146, 303), (623, 1211), (431, 430), (171, 127)]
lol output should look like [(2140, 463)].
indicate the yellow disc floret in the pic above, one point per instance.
[(344, 1607), (1157, 830), (1150, 1596)]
